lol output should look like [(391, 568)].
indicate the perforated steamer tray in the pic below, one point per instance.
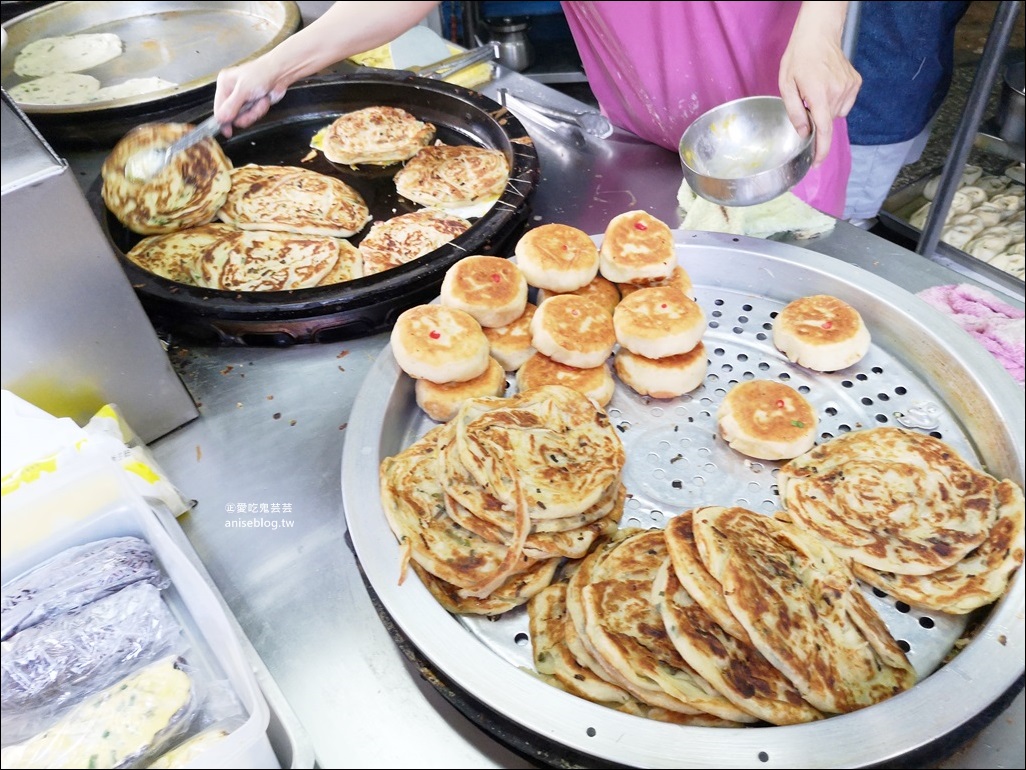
[(922, 372)]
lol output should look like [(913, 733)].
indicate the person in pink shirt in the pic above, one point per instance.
[(653, 66)]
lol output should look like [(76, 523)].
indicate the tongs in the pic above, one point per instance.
[(450, 65), (590, 122)]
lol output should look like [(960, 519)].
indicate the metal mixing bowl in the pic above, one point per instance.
[(745, 152)]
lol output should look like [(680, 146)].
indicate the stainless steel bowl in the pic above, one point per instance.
[(745, 152)]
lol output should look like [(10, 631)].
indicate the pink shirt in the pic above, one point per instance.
[(656, 66)]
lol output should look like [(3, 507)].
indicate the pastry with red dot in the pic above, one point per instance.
[(767, 420), (573, 330), (821, 332), (440, 344), (491, 289), (557, 258), (636, 247), (659, 321)]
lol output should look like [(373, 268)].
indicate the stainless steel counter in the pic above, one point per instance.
[(263, 464)]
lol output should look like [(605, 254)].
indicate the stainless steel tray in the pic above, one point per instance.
[(922, 372)]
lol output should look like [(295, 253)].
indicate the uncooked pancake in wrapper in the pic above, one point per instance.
[(293, 200), (443, 176), (376, 135), (187, 192)]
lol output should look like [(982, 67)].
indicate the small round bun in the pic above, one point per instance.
[(636, 247), (679, 278), (767, 420), (600, 289), (821, 332), (511, 344), (662, 377), (441, 401), (659, 321), (439, 343), (557, 258), (573, 330), (491, 289), (596, 382)]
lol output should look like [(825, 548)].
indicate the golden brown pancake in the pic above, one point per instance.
[(376, 135), (558, 258), (438, 343), (625, 633), (573, 330), (441, 401), (666, 377), (821, 332), (977, 579), (511, 344), (174, 255), (727, 659), (659, 321), (293, 200), (348, 267), (444, 176), (396, 241), (517, 590), (548, 449), (595, 382), (187, 192), (893, 499), (802, 609), (491, 289), (600, 289), (767, 420), (260, 260), (636, 247)]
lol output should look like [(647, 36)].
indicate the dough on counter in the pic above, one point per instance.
[(989, 243), (969, 221), (1016, 172), (1012, 261), (67, 53), (918, 219), (958, 235), (991, 184), (1010, 202), (976, 195), (990, 214), (970, 174)]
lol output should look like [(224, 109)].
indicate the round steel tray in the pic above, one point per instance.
[(922, 372)]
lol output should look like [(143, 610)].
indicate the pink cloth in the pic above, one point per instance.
[(655, 67), (998, 326)]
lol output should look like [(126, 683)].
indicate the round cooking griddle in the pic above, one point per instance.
[(365, 305)]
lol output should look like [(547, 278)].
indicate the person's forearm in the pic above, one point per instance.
[(825, 17), (345, 29)]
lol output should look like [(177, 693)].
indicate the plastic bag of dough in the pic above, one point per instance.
[(120, 726), (76, 577), (86, 649)]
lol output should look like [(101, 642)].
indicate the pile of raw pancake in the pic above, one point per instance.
[(726, 617), (276, 228)]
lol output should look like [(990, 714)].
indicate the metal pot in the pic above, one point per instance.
[(515, 49), (1012, 106)]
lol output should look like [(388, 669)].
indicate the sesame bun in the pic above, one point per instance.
[(659, 321), (636, 247), (573, 330), (767, 420), (595, 382), (511, 344), (821, 332), (557, 257), (439, 343), (600, 289), (491, 289), (662, 377), (441, 401), (679, 278)]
